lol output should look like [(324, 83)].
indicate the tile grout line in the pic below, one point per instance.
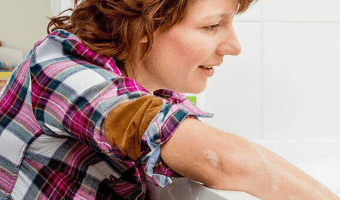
[(262, 81)]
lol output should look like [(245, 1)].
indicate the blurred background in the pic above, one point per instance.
[(283, 86), (22, 23)]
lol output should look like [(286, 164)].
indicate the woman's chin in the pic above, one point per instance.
[(192, 89)]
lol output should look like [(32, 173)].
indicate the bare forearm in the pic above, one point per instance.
[(289, 182), (225, 161)]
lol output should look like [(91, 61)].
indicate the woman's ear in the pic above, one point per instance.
[(144, 40)]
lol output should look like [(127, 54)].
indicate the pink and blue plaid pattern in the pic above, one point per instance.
[(52, 112)]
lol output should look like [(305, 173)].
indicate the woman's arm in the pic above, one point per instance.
[(225, 161)]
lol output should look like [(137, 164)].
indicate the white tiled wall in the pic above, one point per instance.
[(301, 10), (285, 83)]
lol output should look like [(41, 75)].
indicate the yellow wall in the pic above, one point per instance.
[(23, 22)]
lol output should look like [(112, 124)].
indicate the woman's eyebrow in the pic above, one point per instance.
[(218, 15)]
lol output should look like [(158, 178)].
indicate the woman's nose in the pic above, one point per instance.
[(229, 44)]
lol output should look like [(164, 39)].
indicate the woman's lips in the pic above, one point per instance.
[(207, 70)]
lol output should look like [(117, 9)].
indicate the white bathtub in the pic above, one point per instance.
[(318, 158)]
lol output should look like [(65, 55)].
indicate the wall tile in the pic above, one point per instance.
[(301, 78), (301, 10), (234, 93)]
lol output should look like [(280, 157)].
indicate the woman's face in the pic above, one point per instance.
[(183, 58)]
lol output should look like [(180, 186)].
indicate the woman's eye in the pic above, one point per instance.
[(212, 27)]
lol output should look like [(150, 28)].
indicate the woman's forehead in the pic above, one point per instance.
[(210, 9), (233, 3), (240, 6)]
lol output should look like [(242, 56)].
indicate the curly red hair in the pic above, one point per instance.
[(116, 27)]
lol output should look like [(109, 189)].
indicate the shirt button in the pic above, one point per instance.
[(111, 178), (158, 141)]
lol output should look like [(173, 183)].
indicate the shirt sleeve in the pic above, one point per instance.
[(138, 128), (159, 131), (125, 125), (72, 98)]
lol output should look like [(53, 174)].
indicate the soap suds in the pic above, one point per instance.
[(274, 178), (212, 157)]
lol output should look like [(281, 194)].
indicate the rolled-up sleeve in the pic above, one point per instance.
[(138, 128), (126, 124)]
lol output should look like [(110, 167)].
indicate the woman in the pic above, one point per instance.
[(95, 111)]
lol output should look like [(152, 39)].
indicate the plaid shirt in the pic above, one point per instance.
[(52, 144)]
